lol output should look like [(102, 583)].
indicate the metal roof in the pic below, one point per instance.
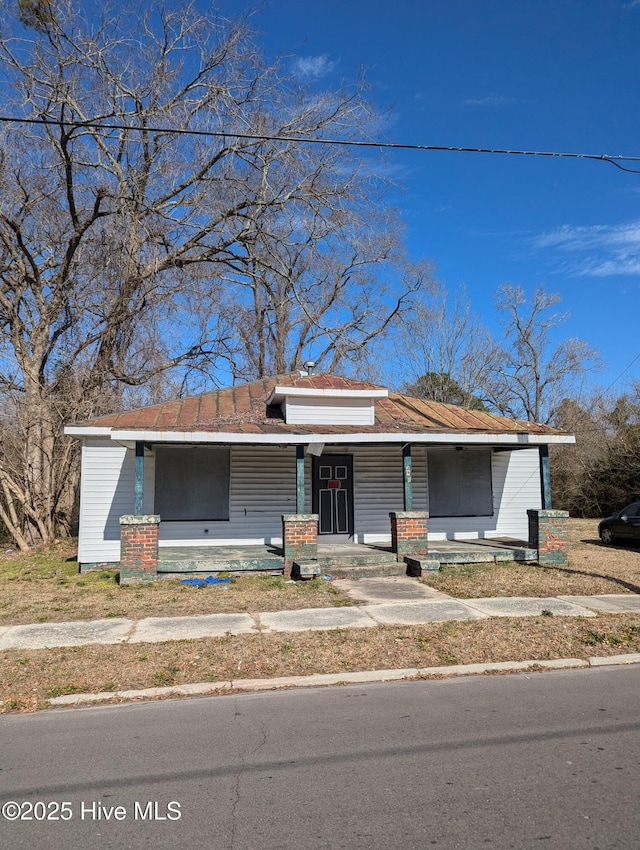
[(243, 409)]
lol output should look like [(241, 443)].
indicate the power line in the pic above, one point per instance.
[(614, 159), (626, 369)]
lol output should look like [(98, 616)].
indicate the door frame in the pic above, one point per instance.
[(334, 460)]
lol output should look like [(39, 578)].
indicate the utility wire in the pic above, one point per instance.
[(615, 159), (626, 369)]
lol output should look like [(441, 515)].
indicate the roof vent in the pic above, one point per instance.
[(309, 366)]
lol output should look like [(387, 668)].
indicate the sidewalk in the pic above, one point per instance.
[(380, 601), (384, 601)]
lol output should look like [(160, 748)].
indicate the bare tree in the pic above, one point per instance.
[(602, 472), (325, 273), (446, 349), (315, 296), (530, 376), (120, 238)]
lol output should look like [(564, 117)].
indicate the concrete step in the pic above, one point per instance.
[(361, 559), (483, 556), (419, 566), (311, 569)]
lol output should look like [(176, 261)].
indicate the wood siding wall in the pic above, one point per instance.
[(329, 411), (263, 487), (106, 493)]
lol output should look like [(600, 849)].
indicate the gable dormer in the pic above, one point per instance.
[(311, 402)]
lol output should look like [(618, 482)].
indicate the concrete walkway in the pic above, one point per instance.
[(383, 601)]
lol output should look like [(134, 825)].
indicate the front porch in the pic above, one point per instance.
[(340, 560)]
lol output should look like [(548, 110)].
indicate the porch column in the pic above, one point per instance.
[(409, 533), (139, 479), (549, 534), (299, 539), (407, 477), (139, 548), (545, 477), (299, 479)]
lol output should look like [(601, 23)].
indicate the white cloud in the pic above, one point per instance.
[(314, 66), (598, 251)]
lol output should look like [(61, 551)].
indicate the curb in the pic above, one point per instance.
[(326, 679)]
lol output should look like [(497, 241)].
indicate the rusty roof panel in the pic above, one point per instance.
[(131, 418), (168, 415), (188, 412), (242, 398), (243, 409), (225, 403), (258, 391), (324, 381), (208, 408)]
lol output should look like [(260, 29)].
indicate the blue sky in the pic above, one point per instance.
[(554, 75)]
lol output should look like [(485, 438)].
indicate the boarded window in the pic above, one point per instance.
[(192, 483), (460, 482)]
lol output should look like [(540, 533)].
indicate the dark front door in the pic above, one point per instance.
[(333, 496)]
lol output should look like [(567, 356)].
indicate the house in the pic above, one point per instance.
[(284, 464)]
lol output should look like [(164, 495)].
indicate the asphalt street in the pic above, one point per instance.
[(521, 761)]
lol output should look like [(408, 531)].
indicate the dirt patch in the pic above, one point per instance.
[(593, 569), (29, 678)]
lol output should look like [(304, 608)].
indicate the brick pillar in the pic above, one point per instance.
[(409, 533), (299, 538), (139, 548), (549, 534)]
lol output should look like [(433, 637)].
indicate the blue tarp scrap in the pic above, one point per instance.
[(199, 582)]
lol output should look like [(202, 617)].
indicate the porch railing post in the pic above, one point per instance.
[(139, 479), (545, 477), (407, 477), (300, 479)]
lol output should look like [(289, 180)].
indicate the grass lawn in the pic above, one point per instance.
[(45, 586), (593, 569)]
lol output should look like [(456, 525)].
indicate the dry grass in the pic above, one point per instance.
[(30, 678), (45, 586), (593, 569)]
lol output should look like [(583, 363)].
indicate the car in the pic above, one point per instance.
[(623, 525)]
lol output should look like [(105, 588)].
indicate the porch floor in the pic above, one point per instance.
[(268, 557), (482, 550), (219, 559)]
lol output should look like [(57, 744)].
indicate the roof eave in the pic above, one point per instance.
[(427, 437)]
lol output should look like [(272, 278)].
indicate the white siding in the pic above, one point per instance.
[(106, 492), (521, 491), (329, 411)]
